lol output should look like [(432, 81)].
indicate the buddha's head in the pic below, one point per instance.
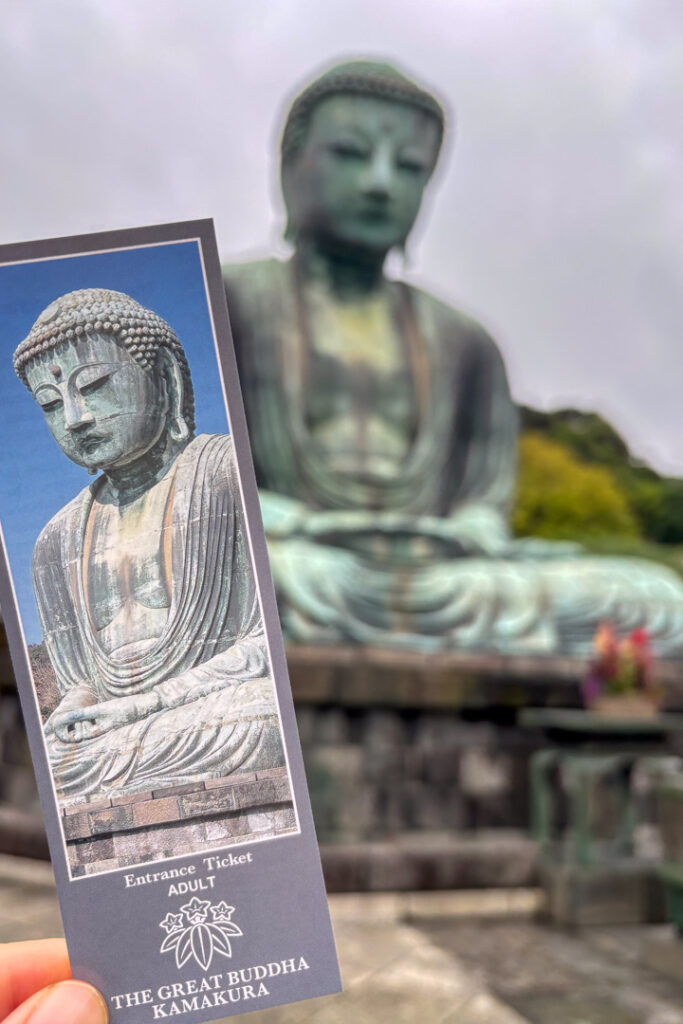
[(359, 145), (110, 376)]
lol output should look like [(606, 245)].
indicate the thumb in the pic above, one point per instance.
[(67, 1002)]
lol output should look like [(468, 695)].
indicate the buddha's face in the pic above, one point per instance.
[(361, 173), (103, 409)]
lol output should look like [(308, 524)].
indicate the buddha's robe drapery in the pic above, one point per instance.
[(421, 559), (217, 710)]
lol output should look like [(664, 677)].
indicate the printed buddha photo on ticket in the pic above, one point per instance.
[(126, 534)]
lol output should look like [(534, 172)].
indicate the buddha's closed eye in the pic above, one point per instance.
[(91, 378), (88, 386), (412, 165), (349, 150), (51, 405), (48, 398)]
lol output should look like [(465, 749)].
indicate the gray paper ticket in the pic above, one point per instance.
[(141, 618)]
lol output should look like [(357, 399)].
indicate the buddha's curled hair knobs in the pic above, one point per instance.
[(102, 311), (356, 78)]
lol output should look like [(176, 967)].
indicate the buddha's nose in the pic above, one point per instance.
[(77, 416), (380, 175)]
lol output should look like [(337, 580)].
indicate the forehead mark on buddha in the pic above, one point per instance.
[(361, 79)]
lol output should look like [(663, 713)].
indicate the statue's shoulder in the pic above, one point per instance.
[(453, 325), (60, 528), (248, 283), (216, 455)]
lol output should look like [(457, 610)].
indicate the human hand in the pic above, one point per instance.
[(36, 987)]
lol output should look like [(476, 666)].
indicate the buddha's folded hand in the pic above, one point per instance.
[(282, 516), (78, 724), (430, 536)]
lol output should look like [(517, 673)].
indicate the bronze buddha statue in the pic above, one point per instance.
[(381, 422), (144, 581)]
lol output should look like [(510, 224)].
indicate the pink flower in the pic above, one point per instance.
[(639, 637), (605, 640)]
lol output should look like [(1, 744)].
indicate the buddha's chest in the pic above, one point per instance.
[(127, 567), (360, 394)]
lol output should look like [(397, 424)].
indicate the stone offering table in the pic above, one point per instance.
[(585, 810), (665, 952)]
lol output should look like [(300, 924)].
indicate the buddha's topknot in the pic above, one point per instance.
[(360, 78), (101, 311)]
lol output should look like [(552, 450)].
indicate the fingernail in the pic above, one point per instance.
[(70, 1002)]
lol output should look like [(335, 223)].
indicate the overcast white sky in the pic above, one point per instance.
[(557, 214)]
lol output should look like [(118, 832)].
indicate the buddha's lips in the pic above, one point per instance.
[(375, 214), (91, 442)]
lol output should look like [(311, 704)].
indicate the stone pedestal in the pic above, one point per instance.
[(106, 834), (664, 953), (418, 861), (402, 752), (615, 894), (399, 743), (366, 677)]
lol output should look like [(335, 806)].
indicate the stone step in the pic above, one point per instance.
[(496, 858), (491, 859)]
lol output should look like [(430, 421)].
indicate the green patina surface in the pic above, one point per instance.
[(381, 421), (143, 581)]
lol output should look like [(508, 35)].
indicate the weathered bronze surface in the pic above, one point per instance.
[(381, 421), (144, 581)]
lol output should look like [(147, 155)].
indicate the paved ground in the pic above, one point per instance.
[(393, 973), (438, 958), (597, 976)]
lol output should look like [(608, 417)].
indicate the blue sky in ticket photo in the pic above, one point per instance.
[(36, 478)]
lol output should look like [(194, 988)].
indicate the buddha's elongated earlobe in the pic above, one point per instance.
[(289, 232), (178, 428), (290, 228), (177, 424), (404, 255)]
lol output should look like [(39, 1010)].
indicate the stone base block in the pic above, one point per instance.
[(109, 833), (619, 894), (483, 860), (664, 953), (22, 833)]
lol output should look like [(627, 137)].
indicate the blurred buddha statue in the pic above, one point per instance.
[(382, 426), (143, 581)]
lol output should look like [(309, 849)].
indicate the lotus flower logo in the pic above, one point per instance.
[(191, 934)]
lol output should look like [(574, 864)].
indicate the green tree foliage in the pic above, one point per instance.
[(586, 434), (561, 497), (656, 502), (44, 679)]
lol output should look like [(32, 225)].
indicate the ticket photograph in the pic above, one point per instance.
[(142, 624)]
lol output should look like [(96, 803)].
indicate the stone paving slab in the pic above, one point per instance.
[(595, 976), (392, 972)]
